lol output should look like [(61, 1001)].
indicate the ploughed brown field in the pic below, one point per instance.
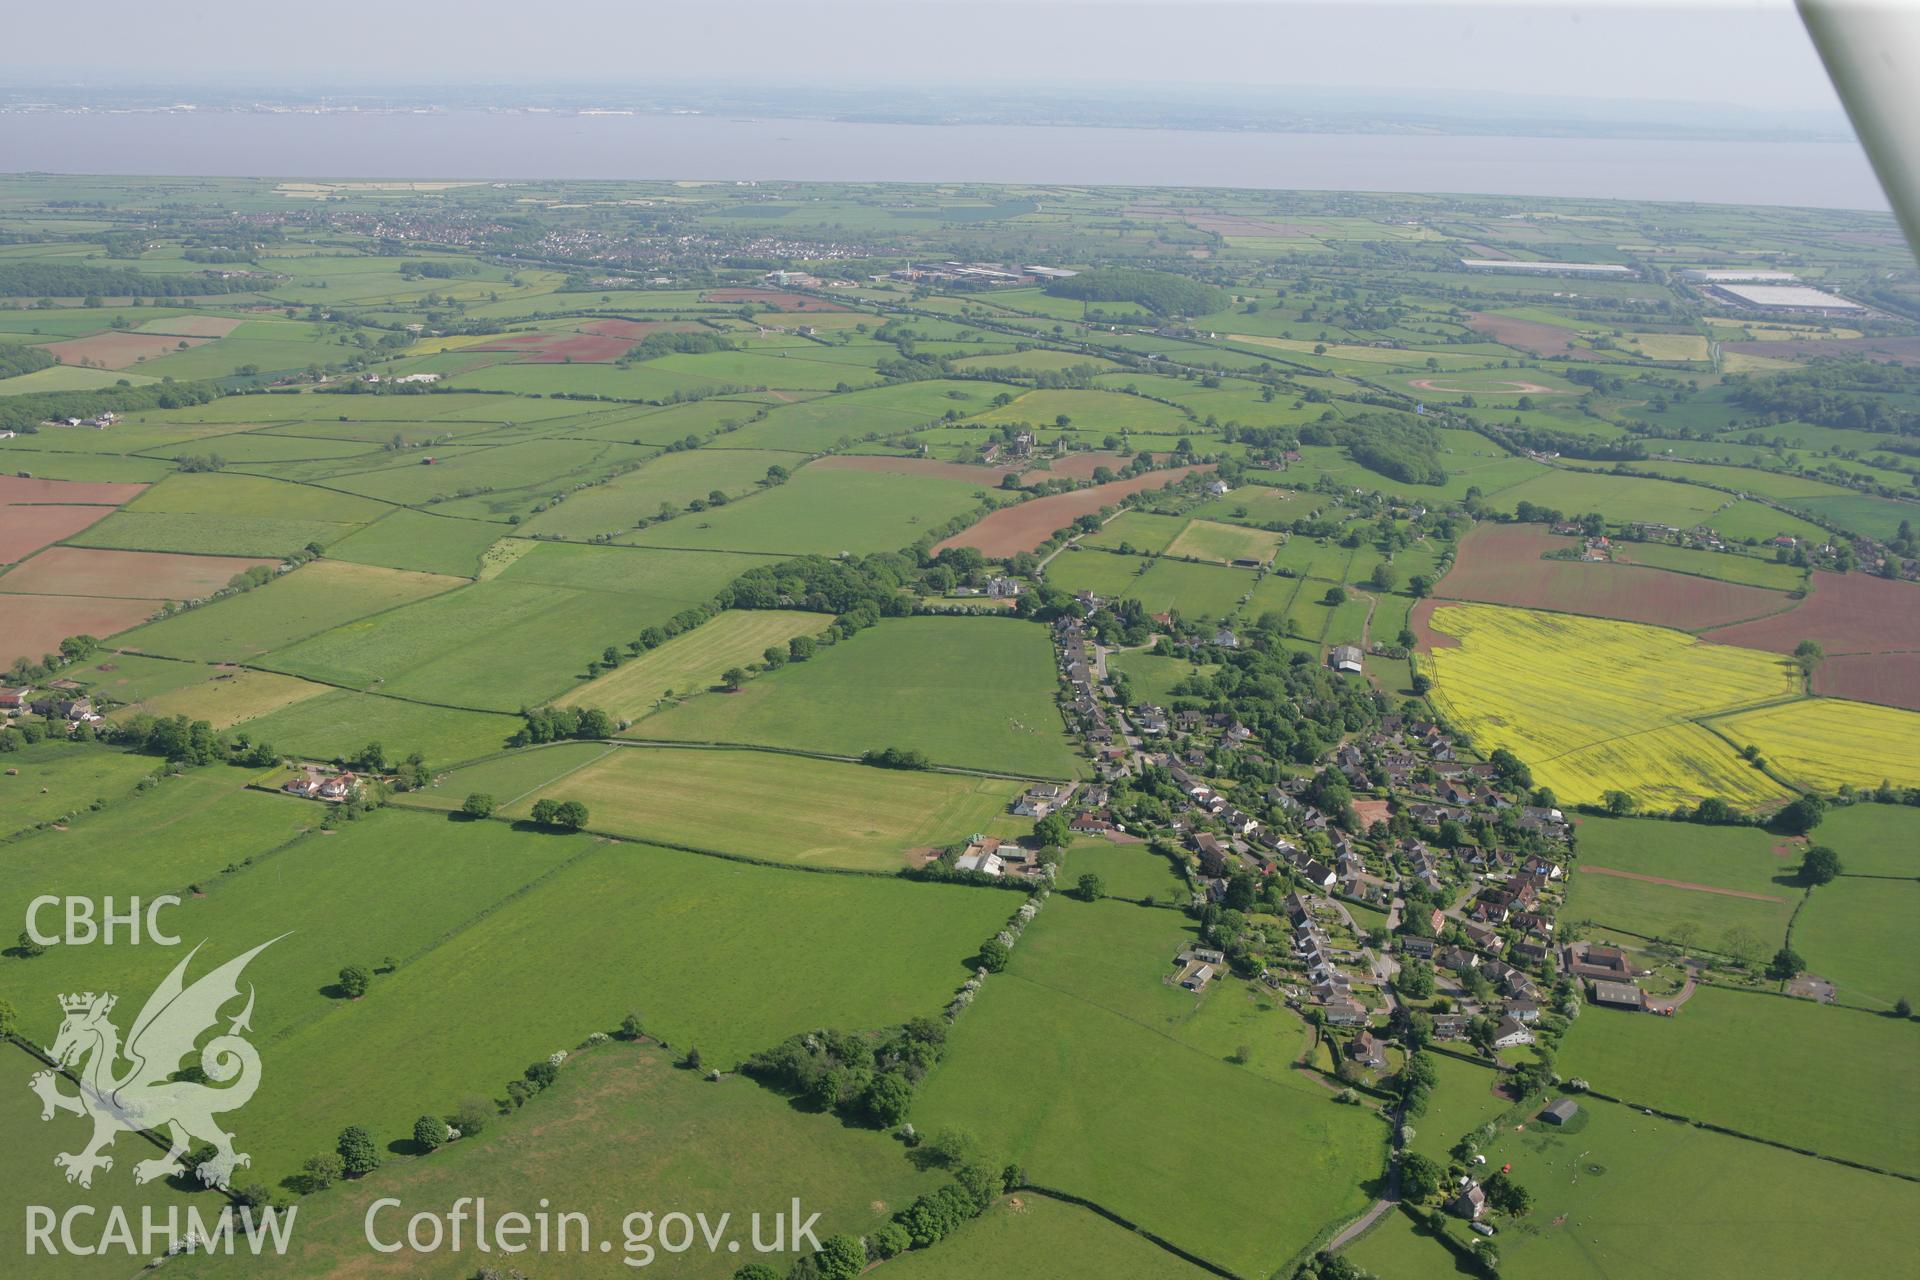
[(38, 513), (1869, 627), (1501, 564), (1845, 612), (26, 529), (33, 626), (1892, 679), (1527, 335), (1420, 622), (136, 575), (988, 476), (1014, 529), (118, 350), (23, 489)]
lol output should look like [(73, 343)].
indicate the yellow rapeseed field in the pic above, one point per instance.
[(1594, 705), (1824, 742)]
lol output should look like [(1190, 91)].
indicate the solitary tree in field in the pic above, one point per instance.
[(1819, 865), (355, 979), (1618, 803), (430, 1132), (1808, 654), (732, 678), (1802, 816), (1786, 963), (1091, 887), (357, 1151), (477, 805)]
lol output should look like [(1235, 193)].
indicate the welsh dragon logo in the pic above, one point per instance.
[(146, 1095)]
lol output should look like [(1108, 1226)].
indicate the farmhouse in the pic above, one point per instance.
[(1470, 1203)]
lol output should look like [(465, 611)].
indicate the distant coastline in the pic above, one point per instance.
[(611, 144)]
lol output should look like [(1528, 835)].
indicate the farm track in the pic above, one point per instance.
[(1680, 884), (671, 744)]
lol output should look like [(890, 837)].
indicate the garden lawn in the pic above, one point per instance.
[(976, 692), (1745, 1060), (767, 805)]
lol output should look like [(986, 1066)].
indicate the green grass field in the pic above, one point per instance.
[(719, 954), (695, 1148), (1618, 1193), (55, 779), (1129, 870), (822, 512), (693, 662), (1077, 1244), (1742, 1061), (672, 480), (1744, 860), (408, 539), (813, 812), (967, 691), (1209, 540), (338, 723), (311, 599), (1117, 1105)]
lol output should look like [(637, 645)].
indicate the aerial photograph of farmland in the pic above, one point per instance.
[(960, 638)]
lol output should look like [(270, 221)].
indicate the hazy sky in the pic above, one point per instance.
[(1744, 52)]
